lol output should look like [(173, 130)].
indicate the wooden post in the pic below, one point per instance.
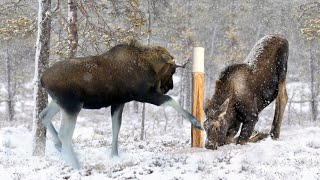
[(197, 136)]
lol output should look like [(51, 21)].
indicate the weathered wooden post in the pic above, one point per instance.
[(197, 136)]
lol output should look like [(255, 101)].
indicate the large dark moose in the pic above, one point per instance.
[(244, 90), (125, 73)]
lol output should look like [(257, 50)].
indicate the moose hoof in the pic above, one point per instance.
[(198, 126), (274, 136)]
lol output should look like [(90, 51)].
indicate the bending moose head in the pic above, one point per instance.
[(244, 90), (125, 73)]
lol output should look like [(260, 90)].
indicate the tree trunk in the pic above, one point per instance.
[(142, 122), (41, 63), (188, 88), (314, 110), (181, 94), (10, 94), (143, 118), (166, 118), (212, 45), (188, 71), (72, 28), (135, 106)]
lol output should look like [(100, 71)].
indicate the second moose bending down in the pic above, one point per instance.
[(244, 90), (125, 73)]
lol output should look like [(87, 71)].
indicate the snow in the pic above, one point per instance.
[(296, 155)]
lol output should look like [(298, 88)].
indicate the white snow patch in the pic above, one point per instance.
[(296, 155)]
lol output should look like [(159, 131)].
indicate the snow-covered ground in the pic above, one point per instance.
[(296, 155), (166, 152)]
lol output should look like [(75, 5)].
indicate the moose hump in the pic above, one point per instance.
[(264, 48)]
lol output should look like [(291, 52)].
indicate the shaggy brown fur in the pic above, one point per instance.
[(94, 79), (244, 90)]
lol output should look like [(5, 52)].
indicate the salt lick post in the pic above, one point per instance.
[(197, 136)]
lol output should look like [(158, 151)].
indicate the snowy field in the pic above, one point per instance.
[(166, 155)]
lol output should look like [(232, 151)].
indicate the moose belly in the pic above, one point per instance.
[(98, 101), (267, 95)]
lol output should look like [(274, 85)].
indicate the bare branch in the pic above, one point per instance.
[(82, 9), (57, 6), (308, 7)]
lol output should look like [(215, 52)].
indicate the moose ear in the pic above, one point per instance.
[(167, 58), (223, 108)]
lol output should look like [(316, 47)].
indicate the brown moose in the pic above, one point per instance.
[(244, 90), (125, 73)]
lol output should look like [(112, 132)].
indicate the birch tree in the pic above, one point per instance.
[(148, 43), (41, 63)]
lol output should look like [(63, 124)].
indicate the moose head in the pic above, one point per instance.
[(216, 125)]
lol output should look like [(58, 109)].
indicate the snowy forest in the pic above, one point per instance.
[(155, 141)]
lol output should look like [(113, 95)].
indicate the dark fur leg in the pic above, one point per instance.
[(281, 103), (233, 130), (116, 113), (247, 129)]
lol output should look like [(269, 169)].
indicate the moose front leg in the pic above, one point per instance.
[(232, 131), (65, 135), (165, 100), (116, 115), (247, 128), (281, 103)]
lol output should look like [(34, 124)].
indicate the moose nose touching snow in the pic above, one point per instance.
[(125, 73), (244, 90)]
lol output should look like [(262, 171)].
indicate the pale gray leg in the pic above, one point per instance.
[(116, 115), (65, 135), (47, 115), (172, 103), (165, 100)]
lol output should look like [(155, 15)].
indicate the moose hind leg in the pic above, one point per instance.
[(47, 115), (258, 137), (65, 134), (281, 102), (116, 115)]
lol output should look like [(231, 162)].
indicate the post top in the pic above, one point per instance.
[(198, 59)]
